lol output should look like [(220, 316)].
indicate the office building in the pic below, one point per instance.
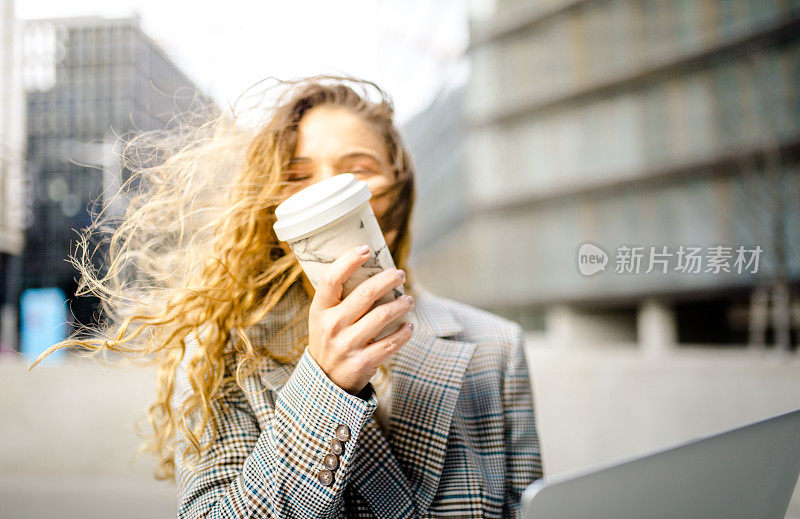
[(660, 133), (12, 157), (89, 80)]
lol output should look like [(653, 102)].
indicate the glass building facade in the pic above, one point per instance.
[(88, 80)]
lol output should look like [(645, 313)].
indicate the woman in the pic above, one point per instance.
[(272, 400)]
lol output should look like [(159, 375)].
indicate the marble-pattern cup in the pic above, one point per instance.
[(316, 250)]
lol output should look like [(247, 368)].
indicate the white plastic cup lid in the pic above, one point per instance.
[(319, 204)]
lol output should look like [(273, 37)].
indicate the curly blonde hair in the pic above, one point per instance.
[(195, 246)]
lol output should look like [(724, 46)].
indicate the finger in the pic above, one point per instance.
[(376, 319), (329, 290), (366, 295), (377, 352)]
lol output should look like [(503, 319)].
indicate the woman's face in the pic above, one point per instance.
[(333, 140)]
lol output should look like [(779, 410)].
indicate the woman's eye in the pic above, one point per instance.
[(296, 174), (297, 179)]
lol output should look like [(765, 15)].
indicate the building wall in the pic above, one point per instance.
[(91, 81), (435, 138), (624, 123), (12, 155)]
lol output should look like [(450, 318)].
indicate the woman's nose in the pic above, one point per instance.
[(326, 171)]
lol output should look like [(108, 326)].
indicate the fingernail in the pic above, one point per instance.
[(363, 249), (401, 275), (411, 325), (408, 299)]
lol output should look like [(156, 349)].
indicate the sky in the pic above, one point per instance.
[(413, 49)]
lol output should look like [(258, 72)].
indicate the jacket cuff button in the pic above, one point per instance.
[(337, 447), (326, 477), (331, 461), (343, 432)]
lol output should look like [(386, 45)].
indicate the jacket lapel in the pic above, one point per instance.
[(427, 375), (402, 473)]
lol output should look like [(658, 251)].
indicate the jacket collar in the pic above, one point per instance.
[(427, 373), (430, 314)]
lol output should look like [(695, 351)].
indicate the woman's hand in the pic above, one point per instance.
[(339, 331)]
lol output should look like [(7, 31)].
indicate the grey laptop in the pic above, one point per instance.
[(748, 472)]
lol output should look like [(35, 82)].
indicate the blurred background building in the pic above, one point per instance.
[(89, 80), (12, 166), (436, 138), (626, 123)]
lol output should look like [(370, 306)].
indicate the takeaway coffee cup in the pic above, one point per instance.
[(328, 218)]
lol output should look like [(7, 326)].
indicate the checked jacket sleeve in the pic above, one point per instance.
[(255, 470), (523, 450)]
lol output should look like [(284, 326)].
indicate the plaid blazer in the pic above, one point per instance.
[(463, 439)]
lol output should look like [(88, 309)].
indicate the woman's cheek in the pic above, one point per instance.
[(379, 206)]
